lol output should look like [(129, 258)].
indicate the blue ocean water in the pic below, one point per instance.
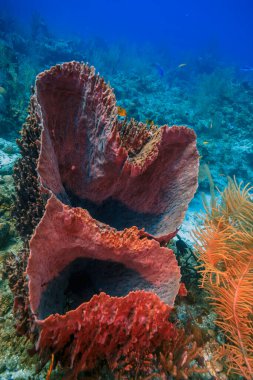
[(169, 62), (179, 28)]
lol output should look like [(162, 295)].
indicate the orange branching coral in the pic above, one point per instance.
[(225, 248), (233, 303), (237, 205), (214, 250), (178, 356)]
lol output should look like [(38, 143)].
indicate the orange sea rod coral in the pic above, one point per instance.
[(214, 250), (225, 248)]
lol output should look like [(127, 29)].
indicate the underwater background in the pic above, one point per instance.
[(169, 62)]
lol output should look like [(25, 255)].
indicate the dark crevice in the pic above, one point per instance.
[(116, 214), (82, 279)]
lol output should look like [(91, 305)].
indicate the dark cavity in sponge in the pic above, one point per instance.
[(84, 278)]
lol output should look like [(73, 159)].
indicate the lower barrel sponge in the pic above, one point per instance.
[(74, 256), (109, 290)]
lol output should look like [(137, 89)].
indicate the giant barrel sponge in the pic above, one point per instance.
[(97, 199)]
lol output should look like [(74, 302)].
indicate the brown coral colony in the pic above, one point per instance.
[(114, 191)]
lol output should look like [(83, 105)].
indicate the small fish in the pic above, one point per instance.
[(221, 174), (182, 65), (205, 142), (200, 157), (122, 112), (150, 122)]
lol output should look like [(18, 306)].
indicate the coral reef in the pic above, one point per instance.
[(214, 99), (8, 235), (14, 269), (8, 155), (225, 249), (75, 152)]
